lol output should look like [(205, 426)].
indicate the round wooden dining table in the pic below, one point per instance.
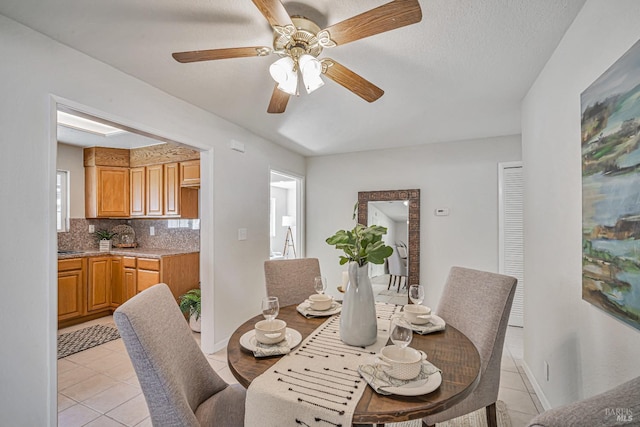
[(450, 350)]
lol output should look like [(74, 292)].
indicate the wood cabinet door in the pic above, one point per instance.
[(137, 192), (146, 279), (190, 173), (129, 282), (113, 192), (71, 286), (118, 295), (99, 283), (155, 190), (171, 189)]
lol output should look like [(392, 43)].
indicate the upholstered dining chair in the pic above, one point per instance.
[(179, 385), (478, 304), (291, 280)]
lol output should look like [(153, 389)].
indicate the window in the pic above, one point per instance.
[(62, 200)]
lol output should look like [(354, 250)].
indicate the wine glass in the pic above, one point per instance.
[(400, 331), (416, 294), (320, 284), (270, 308)]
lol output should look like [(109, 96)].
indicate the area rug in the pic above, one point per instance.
[(474, 419), (83, 339)]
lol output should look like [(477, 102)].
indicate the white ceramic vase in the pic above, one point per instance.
[(358, 323), (193, 323)]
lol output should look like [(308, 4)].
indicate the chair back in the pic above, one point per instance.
[(291, 280), (397, 267), (174, 374), (478, 304)]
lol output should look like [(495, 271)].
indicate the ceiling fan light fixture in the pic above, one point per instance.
[(284, 74), (311, 69)]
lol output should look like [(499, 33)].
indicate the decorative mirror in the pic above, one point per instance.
[(410, 199)]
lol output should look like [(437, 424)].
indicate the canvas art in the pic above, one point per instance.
[(611, 189)]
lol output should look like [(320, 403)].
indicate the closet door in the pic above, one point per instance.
[(511, 229)]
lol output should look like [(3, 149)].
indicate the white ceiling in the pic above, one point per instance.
[(460, 73)]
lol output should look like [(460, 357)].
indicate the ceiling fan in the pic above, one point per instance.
[(299, 42)]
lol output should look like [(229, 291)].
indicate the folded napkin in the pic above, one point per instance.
[(435, 324), (306, 310), (277, 349), (378, 379)]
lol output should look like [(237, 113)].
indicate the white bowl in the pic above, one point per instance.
[(320, 302), (270, 331), (417, 314), (401, 363)]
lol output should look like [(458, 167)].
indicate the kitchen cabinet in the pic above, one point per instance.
[(93, 287), (106, 192), (155, 190), (129, 276), (171, 172), (71, 288), (118, 294), (148, 273), (99, 283), (137, 191), (190, 173)]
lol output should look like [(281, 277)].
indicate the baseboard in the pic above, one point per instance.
[(532, 379), (220, 345)]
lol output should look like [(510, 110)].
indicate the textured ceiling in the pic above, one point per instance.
[(460, 73)]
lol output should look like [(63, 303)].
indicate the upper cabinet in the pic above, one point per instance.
[(141, 182), (190, 173), (106, 180)]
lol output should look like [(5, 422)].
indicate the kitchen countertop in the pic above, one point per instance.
[(137, 252)]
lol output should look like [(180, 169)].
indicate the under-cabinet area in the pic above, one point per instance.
[(93, 284)]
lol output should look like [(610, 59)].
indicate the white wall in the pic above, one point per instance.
[(71, 158), (588, 350), (462, 176), (235, 187)]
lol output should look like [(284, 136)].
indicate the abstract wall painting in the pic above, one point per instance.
[(611, 190)]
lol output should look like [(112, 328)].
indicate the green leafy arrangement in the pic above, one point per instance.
[(105, 234), (362, 244), (190, 303)]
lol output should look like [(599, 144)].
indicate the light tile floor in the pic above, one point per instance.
[(98, 387)]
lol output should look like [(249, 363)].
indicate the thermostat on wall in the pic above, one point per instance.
[(442, 211)]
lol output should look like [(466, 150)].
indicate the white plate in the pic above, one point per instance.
[(335, 308), (417, 388), (248, 340), (435, 321)]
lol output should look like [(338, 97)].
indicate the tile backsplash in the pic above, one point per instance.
[(169, 233)]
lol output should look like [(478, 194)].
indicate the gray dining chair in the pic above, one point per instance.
[(478, 303), (179, 385), (291, 280), (619, 406)]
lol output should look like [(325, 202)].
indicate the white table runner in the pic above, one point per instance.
[(317, 384)]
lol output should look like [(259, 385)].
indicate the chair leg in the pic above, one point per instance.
[(389, 285), (492, 420)]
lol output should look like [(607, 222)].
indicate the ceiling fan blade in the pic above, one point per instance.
[(352, 81), (211, 54), (278, 101), (387, 17), (274, 11)]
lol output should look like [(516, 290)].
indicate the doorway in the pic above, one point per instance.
[(73, 154), (285, 216)]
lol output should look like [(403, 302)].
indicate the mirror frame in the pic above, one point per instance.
[(413, 197)]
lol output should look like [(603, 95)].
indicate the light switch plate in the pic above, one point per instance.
[(441, 212), (242, 234), (92, 228), (152, 231)]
